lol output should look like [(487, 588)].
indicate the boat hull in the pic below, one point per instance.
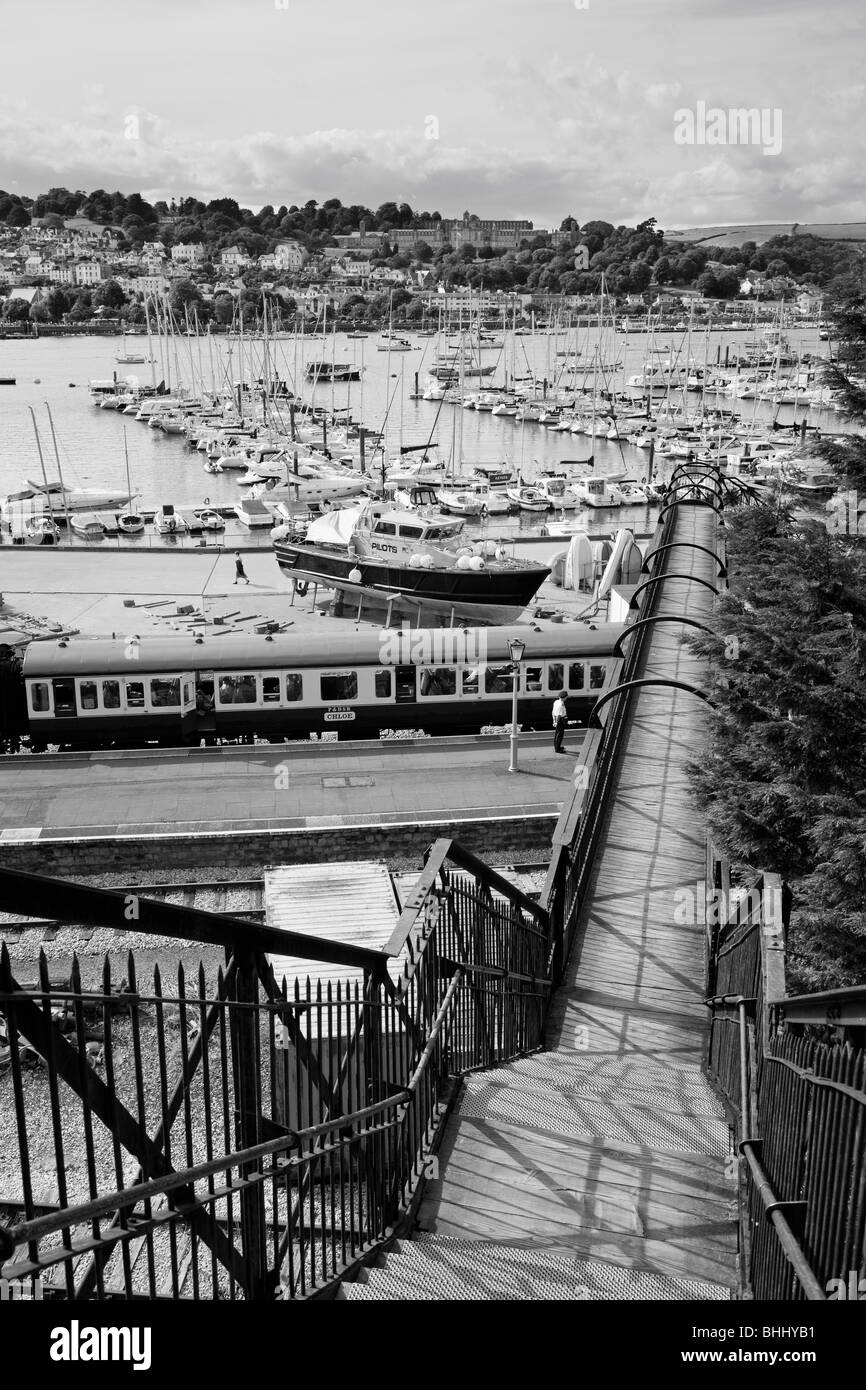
[(503, 589)]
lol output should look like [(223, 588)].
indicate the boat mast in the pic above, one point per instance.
[(126, 456), (42, 464)]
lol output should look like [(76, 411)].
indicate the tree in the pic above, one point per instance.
[(109, 295), (57, 303), (185, 294), (782, 779)]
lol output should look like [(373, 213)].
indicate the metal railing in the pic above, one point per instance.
[(219, 1134), (797, 1099)]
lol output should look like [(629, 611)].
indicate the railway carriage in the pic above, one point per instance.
[(175, 691)]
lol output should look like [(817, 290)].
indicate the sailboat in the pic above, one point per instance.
[(129, 359), (129, 522)]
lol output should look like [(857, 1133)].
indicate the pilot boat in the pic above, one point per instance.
[(378, 547)]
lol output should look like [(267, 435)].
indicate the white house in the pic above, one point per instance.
[(188, 252), (232, 258), (33, 264), (88, 273), (289, 255)]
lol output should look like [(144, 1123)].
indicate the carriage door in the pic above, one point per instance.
[(203, 716), (65, 705), (188, 717), (405, 685)]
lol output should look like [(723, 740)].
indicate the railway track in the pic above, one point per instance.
[(240, 898)]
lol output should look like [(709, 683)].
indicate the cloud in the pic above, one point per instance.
[(561, 135)]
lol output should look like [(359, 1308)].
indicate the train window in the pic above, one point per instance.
[(437, 681), (135, 694), (88, 695), (340, 685), (294, 687), (383, 685), (555, 676), (39, 701), (270, 690), (498, 680), (165, 692), (237, 690), (596, 677), (576, 676), (532, 682), (469, 680), (187, 692), (111, 694), (385, 528)]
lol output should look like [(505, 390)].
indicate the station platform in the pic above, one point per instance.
[(278, 787)]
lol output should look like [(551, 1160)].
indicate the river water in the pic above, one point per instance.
[(163, 469)]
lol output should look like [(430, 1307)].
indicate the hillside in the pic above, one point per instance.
[(759, 232)]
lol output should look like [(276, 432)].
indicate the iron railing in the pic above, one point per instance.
[(200, 1129), (796, 1098)]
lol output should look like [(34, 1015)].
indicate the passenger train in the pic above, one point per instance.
[(180, 691)]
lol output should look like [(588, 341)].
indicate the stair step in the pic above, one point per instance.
[(436, 1267), (496, 1098)]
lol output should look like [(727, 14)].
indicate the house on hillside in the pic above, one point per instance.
[(289, 255)]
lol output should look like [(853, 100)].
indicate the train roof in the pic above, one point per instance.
[(385, 646)]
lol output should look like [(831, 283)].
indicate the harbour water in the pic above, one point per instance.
[(164, 469)]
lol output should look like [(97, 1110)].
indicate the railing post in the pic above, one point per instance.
[(374, 1150), (249, 1126)]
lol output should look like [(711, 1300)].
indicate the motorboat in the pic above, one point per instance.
[(67, 499), (210, 520), (554, 489), (391, 343), (528, 499), (495, 474), (90, 528), (130, 523), (596, 492), (332, 371), (168, 522), (43, 530), (461, 502), (379, 548)]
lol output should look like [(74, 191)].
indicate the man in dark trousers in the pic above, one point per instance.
[(240, 572), (560, 720)]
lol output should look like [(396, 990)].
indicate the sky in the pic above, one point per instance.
[(537, 109)]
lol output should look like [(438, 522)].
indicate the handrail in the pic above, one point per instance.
[(780, 1133), (64, 901), (26, 1231)]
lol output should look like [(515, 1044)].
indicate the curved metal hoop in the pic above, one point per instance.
[(644, 680), (657, 618), (656, 578), (692, 545)]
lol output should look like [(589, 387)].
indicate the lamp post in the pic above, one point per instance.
[(516, 649)]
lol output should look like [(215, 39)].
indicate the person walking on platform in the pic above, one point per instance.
[(240, 572), (560, 720)]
